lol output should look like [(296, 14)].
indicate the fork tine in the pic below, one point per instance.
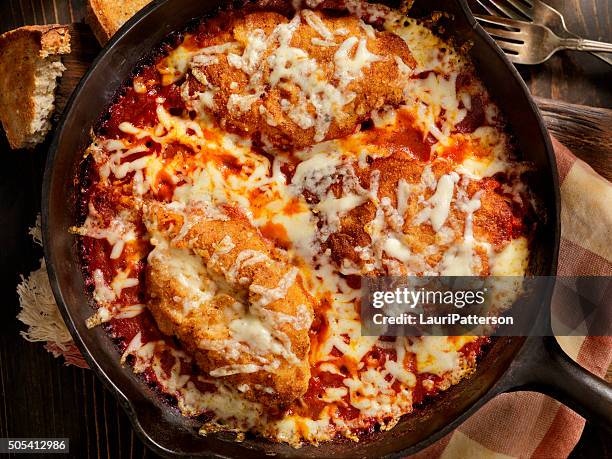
[(526, 11), (496, 20), (486, 7), (502, 33), (506, 10), (508, 46)]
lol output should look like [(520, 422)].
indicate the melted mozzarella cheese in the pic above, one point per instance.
[(512, 260), (118, 233), (347, 68), (317, 24), (436, 354), (394, 248), (439, 204)]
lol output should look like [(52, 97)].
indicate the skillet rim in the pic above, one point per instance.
[(127, 404)]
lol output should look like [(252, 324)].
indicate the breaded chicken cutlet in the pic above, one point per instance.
[(230, 298), (493, 219), (292, 83)]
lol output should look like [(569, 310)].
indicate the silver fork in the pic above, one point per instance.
[(537, 12)]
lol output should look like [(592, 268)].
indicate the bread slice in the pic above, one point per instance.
[(30, 59), (105, 17)]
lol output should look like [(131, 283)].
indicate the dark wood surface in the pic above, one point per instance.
[(583, 129), (40, 397)]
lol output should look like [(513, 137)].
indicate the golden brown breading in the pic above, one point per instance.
[(297, 95), (493, 222), (352, 231), (231, 299)]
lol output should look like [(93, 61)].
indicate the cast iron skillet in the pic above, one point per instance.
[(511, 364)]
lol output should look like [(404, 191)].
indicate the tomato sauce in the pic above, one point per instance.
[(405, 138), (140, 109), (474, 118), (277, 234)]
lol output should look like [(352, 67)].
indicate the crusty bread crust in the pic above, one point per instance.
[(25, 55), (105, 17)]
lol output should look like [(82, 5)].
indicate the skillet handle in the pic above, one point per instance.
[(546, 368)]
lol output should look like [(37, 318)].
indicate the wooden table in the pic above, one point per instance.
[(40, 397)]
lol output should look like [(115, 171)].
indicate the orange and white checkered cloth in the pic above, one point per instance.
[(518, 424)]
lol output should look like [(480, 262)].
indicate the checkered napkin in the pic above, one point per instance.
[(519, 424)]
